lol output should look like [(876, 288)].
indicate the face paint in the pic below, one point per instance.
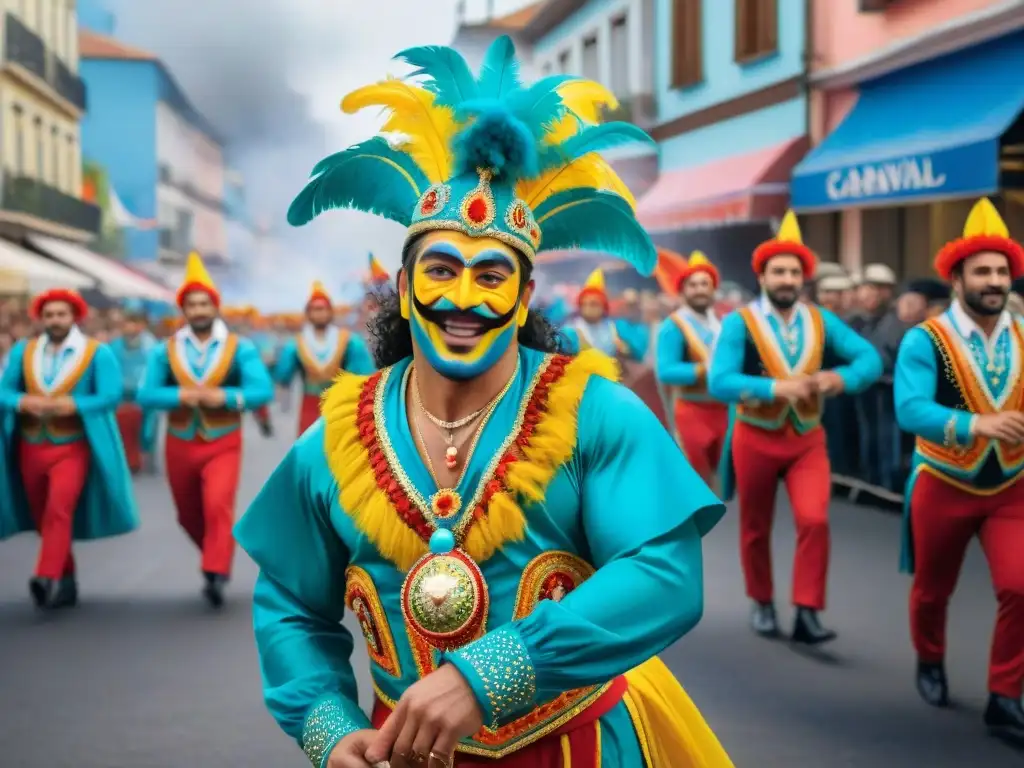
[(463, 302)]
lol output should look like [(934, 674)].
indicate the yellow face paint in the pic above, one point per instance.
[(457, 276)]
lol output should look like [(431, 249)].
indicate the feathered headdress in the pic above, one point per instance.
[(487, 156), (984, 230)]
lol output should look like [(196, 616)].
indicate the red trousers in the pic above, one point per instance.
[(309, 412), (129, 422), (702, 428), (944, 519), (54, 477), (761, 458), (204, 480), (581, 733)]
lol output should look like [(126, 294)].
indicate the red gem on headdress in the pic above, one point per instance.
[(533, 234), (476, 211), (429, 202), (519, 217)]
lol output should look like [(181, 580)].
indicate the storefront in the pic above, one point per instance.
[(896, 178)]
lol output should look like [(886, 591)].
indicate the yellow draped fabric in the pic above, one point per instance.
[(672, 731)]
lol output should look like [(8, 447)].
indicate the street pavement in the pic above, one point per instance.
[(143, 675)]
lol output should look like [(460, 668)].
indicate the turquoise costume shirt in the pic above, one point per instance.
[(246, 384), (132, 354), (579, 335), (107, 504), (356, 359), (625, 503), (675, 364), (932, 359)]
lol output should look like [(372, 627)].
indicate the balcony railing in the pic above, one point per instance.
[(33, 197), (24, 47)]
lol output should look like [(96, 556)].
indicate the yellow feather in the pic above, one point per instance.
[(588, 171), (411, 111), (587, 99)]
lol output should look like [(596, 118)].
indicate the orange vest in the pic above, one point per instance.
[(318, 376), (62, 427), (210, 419)]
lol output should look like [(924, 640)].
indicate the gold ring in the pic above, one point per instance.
[(445, 761)]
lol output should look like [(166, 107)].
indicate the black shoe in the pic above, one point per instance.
[(807, 629), (50, 594), (1005, 718), (214, 589), (42, 590), (763, 620), (932, 684), (266, 429), (67, 593)]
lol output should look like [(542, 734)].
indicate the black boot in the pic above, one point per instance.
[(42, 590), (807, 629), (1005, 718), (763, 620), (214, 589), (932, 684)]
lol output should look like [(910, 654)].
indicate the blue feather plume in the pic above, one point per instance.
[(499, 73), (448, 75), (499, 141), (371, 177), (592, 138)]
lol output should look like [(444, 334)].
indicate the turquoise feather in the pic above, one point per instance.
[(499, 73), (592, 138), (370, 177), (449, 77), (592, 220)]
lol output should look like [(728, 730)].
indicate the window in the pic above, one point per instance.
[(591, 69), (757, 28), (55, 155), (19, 140), (687, 43), (619, 57), (563, 62)]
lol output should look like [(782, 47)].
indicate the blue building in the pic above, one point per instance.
[(729, 83), (164, 161)]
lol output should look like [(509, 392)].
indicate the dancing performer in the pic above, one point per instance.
[(63, 471), (205, 376), (318, 353), (594, 327), (959, 388), (477, 460), (777, 358), (684, 347), (132, 348)]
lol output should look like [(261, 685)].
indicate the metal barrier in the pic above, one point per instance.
[(870, 456)]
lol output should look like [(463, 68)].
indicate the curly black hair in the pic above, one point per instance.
[(391, 337)]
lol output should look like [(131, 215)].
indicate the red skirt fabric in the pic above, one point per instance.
[(309, 412)]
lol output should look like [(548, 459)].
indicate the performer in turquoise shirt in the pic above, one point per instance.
[(515, 532), (776, 359), (132, 348), (205, 377), (959, 389), (318, 353), (63, 471), (594, 328)]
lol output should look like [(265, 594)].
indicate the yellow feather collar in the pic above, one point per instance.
[(374, 487)]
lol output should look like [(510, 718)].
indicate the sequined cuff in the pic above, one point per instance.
[(328, 722), (499, 669), (951, 437)]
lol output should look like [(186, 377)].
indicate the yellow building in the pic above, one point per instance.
[(42, 100)]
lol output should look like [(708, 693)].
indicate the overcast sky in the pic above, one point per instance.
[(241, 64)]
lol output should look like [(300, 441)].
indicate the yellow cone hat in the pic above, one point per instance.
[(698, 262), (788, 241), (984, 231), (594, 286), (197, 279), (318, 293), (377, 272)]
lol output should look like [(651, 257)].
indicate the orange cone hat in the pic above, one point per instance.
[(698, 262), (318, 293), (594, 286)]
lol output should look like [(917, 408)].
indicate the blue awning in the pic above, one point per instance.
[(930, 131)]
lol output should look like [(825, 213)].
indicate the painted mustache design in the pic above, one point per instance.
[(464, 323)]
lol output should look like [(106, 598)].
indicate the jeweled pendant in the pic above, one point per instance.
[(451, 457)]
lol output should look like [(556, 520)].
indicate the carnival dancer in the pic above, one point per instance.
[(777, 358), (318, 354), (132, 348), (959, 388), (685, 343), (63, 471), (593, 327), (205, 376), (266, 344), (477, 459)]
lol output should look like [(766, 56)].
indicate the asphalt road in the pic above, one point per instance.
[(143, 675)]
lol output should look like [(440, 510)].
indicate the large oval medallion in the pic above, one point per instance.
[(444, 599)]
